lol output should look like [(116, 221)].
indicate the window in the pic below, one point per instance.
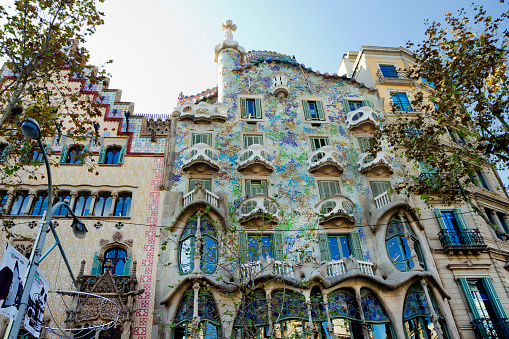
[(364, 144), (255, 187), (328, 188), (83, 204), (62, 210), (256, 312), (490, 318), (40, 204), (400, 101), (389, 71), (313, 110), (207, 184), (20, 203), (397, 244), (117, 258), (123, 205), (103, 204), (201, 138), (260, 247), (453, 224), (352, 105), (4, 150), (111, 333), (113, 155), (4, 197), (72, 154), (479, 179), (187, 245), (417, 315), (318, 142), (457, 137), (380, 187), (250, 108), (253, 140), (336, 247), (209, 318)]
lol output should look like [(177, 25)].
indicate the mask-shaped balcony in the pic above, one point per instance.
[(264, 267), (378, 166), (364, 120), (255, 159), (202, 112), (201, 194), (201, 158), (336, 211), (325, 161), (258, 209), (340, 267)]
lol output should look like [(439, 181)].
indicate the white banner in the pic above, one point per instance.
[(36, 304), (12, 273)]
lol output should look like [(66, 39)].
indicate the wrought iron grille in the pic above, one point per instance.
[(461, 238), (392, 74), (491, 328)]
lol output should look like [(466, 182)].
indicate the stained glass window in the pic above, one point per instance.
[(397, 244), (187, 246), (256, 311), (343, 304), (288, 304), (118, 257), (372, 308), (209, 326)]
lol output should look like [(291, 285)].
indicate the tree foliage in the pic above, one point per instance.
[(45, 75), (458, 124)]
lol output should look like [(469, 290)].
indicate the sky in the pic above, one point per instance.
[(163, 47)]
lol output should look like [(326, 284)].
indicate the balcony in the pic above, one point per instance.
[(255, 159), (201, 158), (491, 328), (462, 240), (258, 209), (378, 166), (267, 267), (363, 120), (394, 77), (339, 267), (336, 211), (202, 112), (325, 161), (382, 200), (201, 194)]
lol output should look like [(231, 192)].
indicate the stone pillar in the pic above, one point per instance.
[(74, 195), (365, 329), (268, 296), (312, 328), (8, 204), (411, 245), (114, 197), (195, 323), (92, 203), (197, 247), (32, 195), (330, 329), (434, 316)]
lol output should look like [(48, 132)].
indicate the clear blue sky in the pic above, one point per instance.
[(163, 47)]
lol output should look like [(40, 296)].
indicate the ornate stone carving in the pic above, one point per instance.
[(117, 236), (32, 224), (119, 225), (98, 225), (103, 242), (129, 242)]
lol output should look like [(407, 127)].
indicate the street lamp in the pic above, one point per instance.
[(30, 129)]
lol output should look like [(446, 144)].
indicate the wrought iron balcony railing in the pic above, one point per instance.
[(461, 238), (392, 75), (491, 328)]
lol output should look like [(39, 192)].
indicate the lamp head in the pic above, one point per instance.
[(78, 228), (30, 129)]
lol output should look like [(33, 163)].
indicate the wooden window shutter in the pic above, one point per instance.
[(305, 107), (243, 247), (122, 154), (355, 245), (319, 110), (493, 296), (440, 219), (368, 103), (324, 190), (127, 265), (63, 155), (460, 219), (264, 188), (195, 139), (277, 245), (470, 299), (346, 106), (248, 188), (243, 108), (364, 144), (323, 242), (379, 187), (102, 155), (207, 139), (258, 109), (96, 266)]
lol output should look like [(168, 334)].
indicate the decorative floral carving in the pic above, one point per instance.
[(119, 225), (117, 236), (8, 224), (129, 242), (98, 225), (103, 242), (32, 224)]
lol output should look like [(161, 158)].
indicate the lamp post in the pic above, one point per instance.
[(30, 129)]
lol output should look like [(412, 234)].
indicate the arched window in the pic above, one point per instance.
[(318, 312), (123, 205), (187, 246), (73, 155), (82, 204), (344, 314), (112, 155), (379, 323), (62, 210), (111, 333), (209, 318), (117, 256), (40, 204), (397, 244), (20, 203), (417, 315), (253, 316), (103, 204), (289, 314)]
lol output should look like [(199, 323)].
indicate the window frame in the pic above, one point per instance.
[(123, 195), (325, 179), (261, 107), (264, 185), (320, 107), (87, 195), (394, 69), (63, 195), (254, 134), (39, 209), (204, 185), (312, 139), (103, 205), (408, 96), (24, 207), (201, 133)]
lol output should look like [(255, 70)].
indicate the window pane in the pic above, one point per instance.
[(251, 108), (394, 250), (187, 255), (345, 249), (266, 247), (354, 105), (312, 110), (334, 248), (209, 255)]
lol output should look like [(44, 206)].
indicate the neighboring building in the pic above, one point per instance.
[(471, 260), (279, 224), (120, 207)]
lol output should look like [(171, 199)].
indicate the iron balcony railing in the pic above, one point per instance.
[(491, 328), (392, 74), (460, 238)]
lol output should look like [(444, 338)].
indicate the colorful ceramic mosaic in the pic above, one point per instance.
[(343, 305), (373, 310), (288, 304)]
